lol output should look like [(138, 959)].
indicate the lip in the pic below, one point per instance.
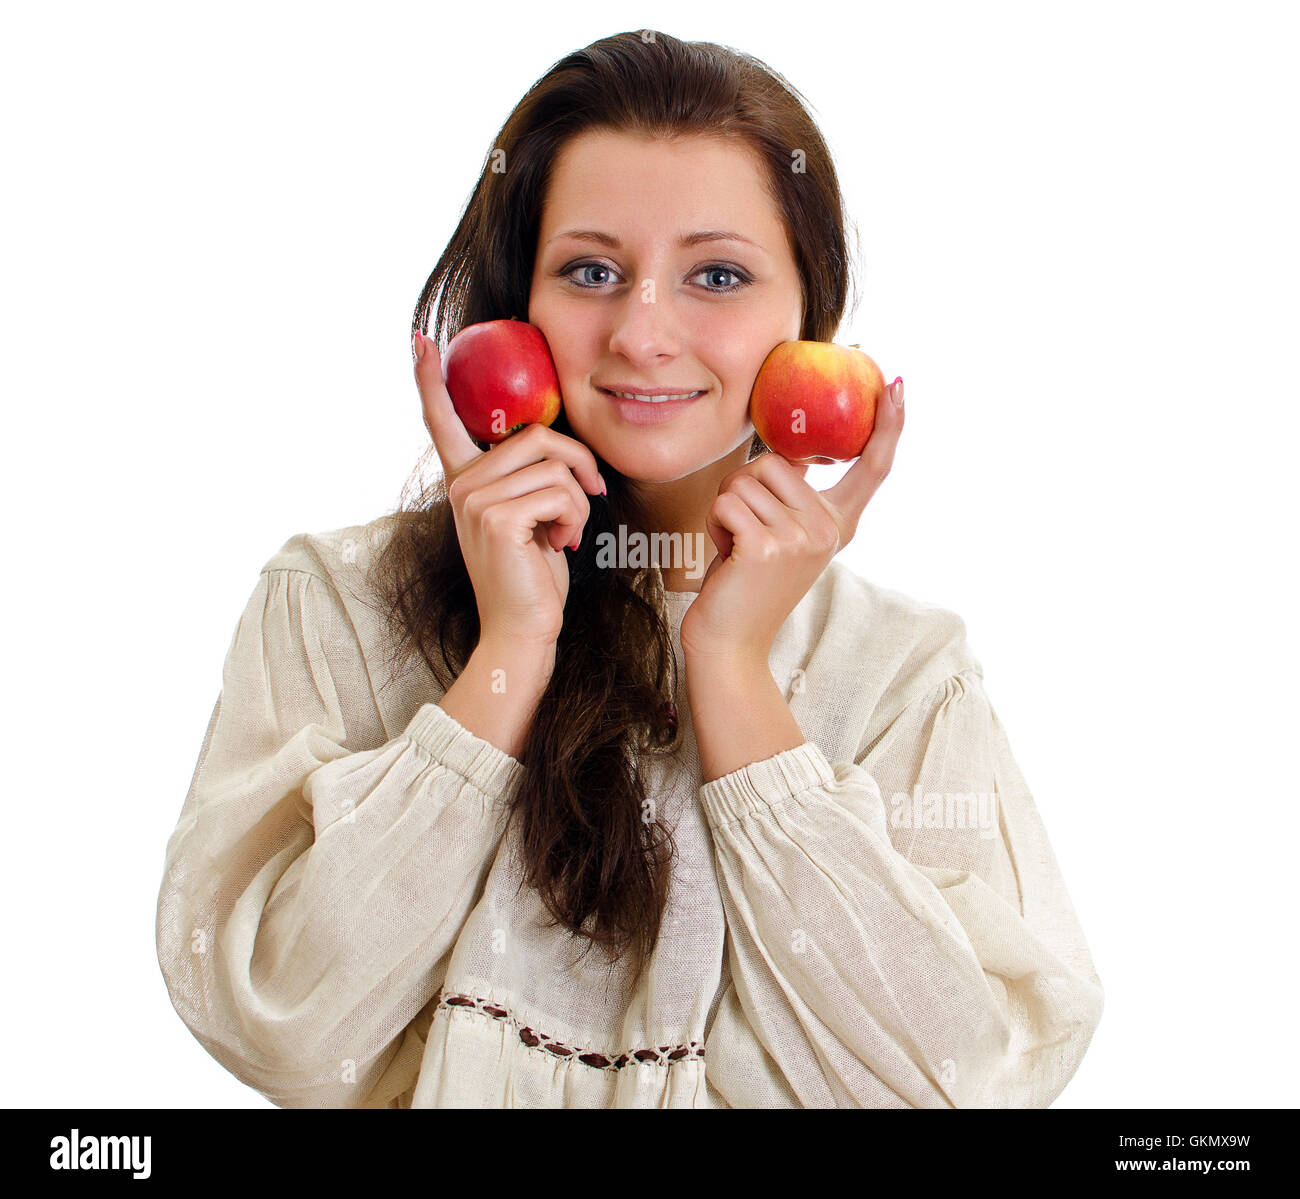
[(650, 391), (638, 412)]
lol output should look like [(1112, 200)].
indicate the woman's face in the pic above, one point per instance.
[(641, 307)]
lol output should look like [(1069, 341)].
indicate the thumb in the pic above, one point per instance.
[(451, 439)]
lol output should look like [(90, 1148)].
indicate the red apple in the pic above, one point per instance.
[(501, 377), (814, 401)]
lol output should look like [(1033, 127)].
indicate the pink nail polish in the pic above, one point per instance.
[(896, 391)]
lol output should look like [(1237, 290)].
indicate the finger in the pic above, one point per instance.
[(729, 519), (455, 446), (854, 491), (537, 443), (801, 505), (762, 503), (538, 477), (784, 479), (536, 508), (717, 530)]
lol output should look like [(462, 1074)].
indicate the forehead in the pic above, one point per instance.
[(601, 179)]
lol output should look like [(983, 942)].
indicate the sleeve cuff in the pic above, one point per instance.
[(479, 762), (762, 784)]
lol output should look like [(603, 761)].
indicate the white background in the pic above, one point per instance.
[(1079, 249)]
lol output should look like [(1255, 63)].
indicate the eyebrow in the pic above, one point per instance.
[(688, 239)]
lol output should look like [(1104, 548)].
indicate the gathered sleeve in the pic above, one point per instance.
[(899, 931), (317, 880)]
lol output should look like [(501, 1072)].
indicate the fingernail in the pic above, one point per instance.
[(897, 391), (577, 541), (602, 484), (418, 342)]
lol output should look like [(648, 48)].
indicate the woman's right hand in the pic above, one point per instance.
[(516, 505)]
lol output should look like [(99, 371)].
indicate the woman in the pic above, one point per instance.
[(775, 800)]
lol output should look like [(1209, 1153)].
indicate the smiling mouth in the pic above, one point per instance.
[(648, 399)]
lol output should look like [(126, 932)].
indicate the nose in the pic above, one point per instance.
[(645, 324)]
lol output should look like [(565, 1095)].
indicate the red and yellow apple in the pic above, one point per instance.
[(815, 402), (501, 377)]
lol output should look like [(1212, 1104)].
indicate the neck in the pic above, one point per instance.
[(680, 506)]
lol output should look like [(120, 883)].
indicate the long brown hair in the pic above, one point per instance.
[(592, 845)]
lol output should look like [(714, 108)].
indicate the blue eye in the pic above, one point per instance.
[(741, 280), (590, 266)]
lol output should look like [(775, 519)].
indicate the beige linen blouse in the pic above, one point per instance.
[(873, 919)]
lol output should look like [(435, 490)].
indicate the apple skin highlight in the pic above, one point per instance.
[(815, 401)]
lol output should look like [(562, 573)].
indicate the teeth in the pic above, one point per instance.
[(627, 395)]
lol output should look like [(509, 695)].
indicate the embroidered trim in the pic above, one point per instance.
[(664, 1055)]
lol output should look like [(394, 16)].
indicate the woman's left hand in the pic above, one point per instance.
[(775, 535)]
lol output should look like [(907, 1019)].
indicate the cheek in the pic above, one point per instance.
[(735, 349), (572, 339)]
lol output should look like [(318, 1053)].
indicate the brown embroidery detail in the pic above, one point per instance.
[(664, 1055)]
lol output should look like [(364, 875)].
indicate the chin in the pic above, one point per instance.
[(642, 467), (668, 467)]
